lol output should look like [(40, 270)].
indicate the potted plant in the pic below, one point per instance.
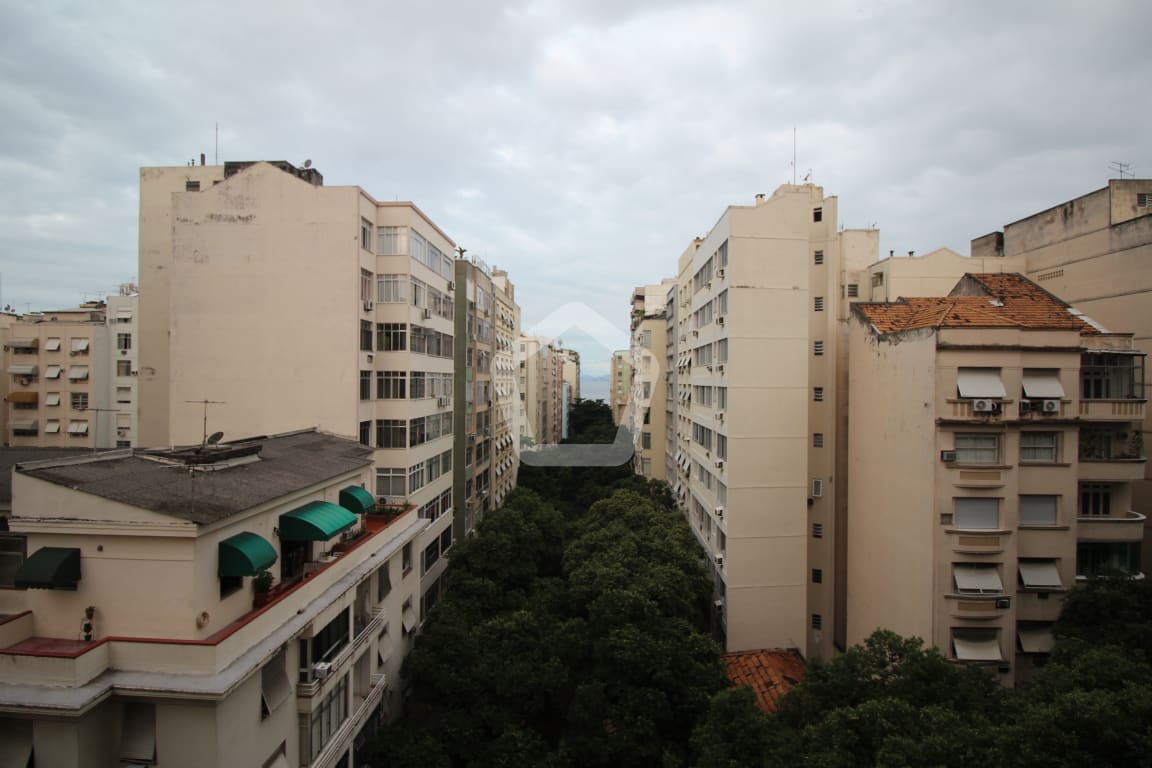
[(262, 586)]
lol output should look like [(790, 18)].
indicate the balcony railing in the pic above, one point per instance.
[(362, 709), (1112, 410), (1124, 527)]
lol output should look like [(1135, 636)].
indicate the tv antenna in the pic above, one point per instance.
[(1124, 170), (215, 435)]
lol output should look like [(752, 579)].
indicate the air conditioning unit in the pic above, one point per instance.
[(817, 488), (985, 406), (442, 401), (1050, 406), (720, 367), (719, 561), (720, 320), (427, 314), (719, 511), (720, 272), (369, 306), (719, 463), (695, 333), (948, 456), (720, 416), (123, 351), (321, 670), (451, 285), (718, 605), (122, 432), (1003, 603)]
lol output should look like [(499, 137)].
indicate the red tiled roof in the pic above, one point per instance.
[(979, 301), (770, 673)]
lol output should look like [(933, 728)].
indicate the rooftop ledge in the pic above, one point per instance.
[(57, 674)]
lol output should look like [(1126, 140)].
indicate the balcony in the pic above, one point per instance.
[(1112, 410), (1124, 527)]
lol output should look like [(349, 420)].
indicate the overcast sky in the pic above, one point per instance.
[(580, 145)]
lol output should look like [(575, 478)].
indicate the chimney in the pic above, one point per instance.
[(202, 158), (759, 198), (911, 253), (891, 253)]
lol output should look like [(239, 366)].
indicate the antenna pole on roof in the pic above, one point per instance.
[(206, 403)]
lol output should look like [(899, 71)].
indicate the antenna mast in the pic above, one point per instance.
[(1123, 169), (206, 403)]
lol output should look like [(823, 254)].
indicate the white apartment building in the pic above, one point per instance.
[(761, 401), (135, 633), (506, 403)]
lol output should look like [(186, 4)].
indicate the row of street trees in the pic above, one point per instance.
[(574, 632)]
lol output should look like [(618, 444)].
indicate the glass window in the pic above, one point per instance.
[(1039, 447), (977, 449), (1095, 499)]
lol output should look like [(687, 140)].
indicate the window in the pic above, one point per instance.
[(722, 446), (646, 440), (191, 186), (1143, 200), (979, 383), (721, 398), (817, 530), (818, 394), (817, 621), (365, 285), (430, 556), (124, 341), (391, 433), (1039, 574), (1039, 447), (977, 449), (328, 717), (80, 346), (817, 576), (853, 291), (818, 348), (11, 558), (366, 433), (977, 513), (123, 367), (818, 303), (78, 428), (79, 401), (976, 645), (383, 582), (722, 351), (123, 394), (406, 564), (366, 235), (1109, 376), (817, 439), (392, 241), (817, 214), (366, 335), (818, 257), (976, 579), (391, 337), (1038, 510), (365, 385), (1095, 499), (390, 481), (877, 279), (274, 686), (392, 289), (1094, 558), (446, 540)]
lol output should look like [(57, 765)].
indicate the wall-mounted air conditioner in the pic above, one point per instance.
[(1003, 603), (817, 488), (427, 314), (948, 456), (321, 670), (369, 306), (719, 561), (1050, 406), (985, 406), (720, 512)]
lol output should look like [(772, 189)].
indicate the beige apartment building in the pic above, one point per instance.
[(648, 354), (761, 401), (541, 365), (620, 385), (72, 376), (1013, 419), (136, 633), (569, 385), (271, 302), (506, 403)]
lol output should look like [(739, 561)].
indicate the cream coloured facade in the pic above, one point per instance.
[(932, 274), (649, 366), (506, 402), (760, 405), (135, 634), (620, 386), (541, 367), (1017, 462), (62, 374)]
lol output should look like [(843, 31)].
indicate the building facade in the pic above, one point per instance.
[(1017, 448), (142, 629), (506, 402), (649, 392), (620, 386)]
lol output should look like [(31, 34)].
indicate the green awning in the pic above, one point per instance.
[(356, 499), (50, 568), (315, 521), (245, 554)]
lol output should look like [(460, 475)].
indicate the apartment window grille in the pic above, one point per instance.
[(817, 576), (391, 337), (977, 449), (366, 235), (1038, 509), (191, 186), (817, 621), (977, 513), (79, 401), (818, 348), (1040, 447), (1106, 376), (1095, 499), (1144, 200), (817, 439), (818, 394), (818, 257), (365, 385), (817, 530), (392, 289), (818, 304), (817, 214), (391, 433), (123, 341)]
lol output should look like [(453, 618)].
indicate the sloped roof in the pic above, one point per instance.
[(1007, 300), (287, 462), (770, 673)]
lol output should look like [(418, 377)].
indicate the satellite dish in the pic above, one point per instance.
[(215, 437), (308, 163)]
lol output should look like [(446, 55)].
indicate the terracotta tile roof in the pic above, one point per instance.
[(979, 301), (770, 673)]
